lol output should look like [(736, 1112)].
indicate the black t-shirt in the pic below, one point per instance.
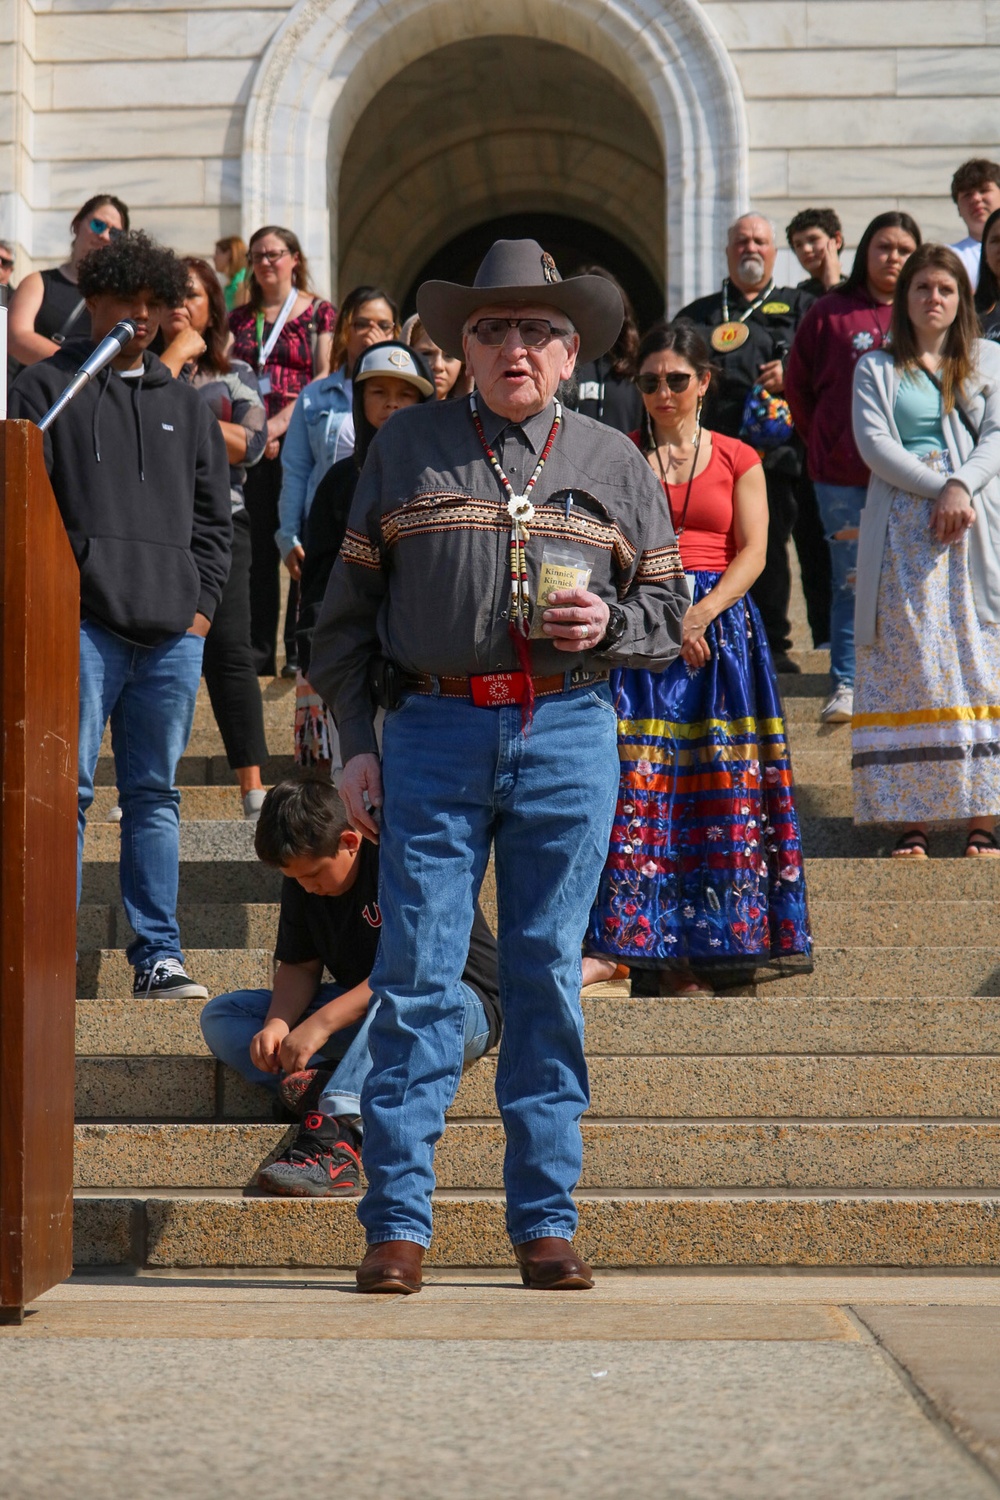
[(990, 322), (772, 328), (344, 931)]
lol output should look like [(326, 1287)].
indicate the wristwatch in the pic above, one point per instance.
[(616, 628)]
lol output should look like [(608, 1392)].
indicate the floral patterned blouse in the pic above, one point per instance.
[(290, 364)]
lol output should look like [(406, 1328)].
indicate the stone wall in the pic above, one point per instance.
[(864, 104)]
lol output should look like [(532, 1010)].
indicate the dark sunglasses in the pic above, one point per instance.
[(533, 332), (101, 226), (7, 264), (676, 382)]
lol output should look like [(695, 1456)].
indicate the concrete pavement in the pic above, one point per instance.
[(697, 1386)]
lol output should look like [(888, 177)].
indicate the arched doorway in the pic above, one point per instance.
[(574, 244), (330, 58), (560, 144)]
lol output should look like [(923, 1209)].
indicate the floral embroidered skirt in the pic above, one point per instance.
[(926, 730), (705, 865)]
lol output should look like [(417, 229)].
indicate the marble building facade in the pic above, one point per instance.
[(379, 129)]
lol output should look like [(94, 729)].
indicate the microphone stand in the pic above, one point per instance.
[(108, 349)]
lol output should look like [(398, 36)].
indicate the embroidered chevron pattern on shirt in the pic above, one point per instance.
[(360, 551), (449, 510), (659, 565)]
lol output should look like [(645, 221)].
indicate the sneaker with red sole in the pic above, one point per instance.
[(322, 1161)]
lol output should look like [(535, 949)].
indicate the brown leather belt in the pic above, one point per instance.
[(507, 684)]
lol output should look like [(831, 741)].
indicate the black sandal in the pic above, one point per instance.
[(982, 843), (912, 845)]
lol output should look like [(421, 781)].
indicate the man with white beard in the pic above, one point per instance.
[(750, 324)]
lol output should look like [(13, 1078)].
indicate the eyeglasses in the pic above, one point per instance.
[(257, 257), (6, 264), (676, 382), (365, 325), (101, 226), (533, 332)]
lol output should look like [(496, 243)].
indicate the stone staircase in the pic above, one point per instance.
[(849, 1118)]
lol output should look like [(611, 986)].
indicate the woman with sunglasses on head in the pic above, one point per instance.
[(47, 308), (926, 729), (195, 338), (321, 430), (704, 880), (285, 334)]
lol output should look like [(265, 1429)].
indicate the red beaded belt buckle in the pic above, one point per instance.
[(498, 689)]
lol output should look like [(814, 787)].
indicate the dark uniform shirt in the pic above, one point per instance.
[(424, 573), (772, 327)]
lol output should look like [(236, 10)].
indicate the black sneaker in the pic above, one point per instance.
[(321, 1162), (300, 1092), (166, 980)]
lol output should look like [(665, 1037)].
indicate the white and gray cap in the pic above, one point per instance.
[(395, 359)]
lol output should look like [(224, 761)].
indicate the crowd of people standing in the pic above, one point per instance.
[(242, 429)]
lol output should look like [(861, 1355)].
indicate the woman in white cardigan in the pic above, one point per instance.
[(926, 416)]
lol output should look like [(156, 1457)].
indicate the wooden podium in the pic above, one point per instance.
[(39, 668)]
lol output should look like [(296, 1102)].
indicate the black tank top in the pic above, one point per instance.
[(59, 298)]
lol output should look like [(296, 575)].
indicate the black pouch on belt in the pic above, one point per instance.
[(385, 682)]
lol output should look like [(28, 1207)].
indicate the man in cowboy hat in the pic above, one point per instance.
[(500, 730)]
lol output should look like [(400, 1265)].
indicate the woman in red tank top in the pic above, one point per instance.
[(703, 885)]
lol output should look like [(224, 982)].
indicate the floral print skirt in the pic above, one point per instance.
[(705, 865), (926, 729)]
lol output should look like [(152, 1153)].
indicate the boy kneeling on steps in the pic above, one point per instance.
[(306, 1040)]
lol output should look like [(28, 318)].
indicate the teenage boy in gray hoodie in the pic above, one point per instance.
[(139, 469)]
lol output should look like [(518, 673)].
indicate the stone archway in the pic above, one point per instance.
[(330, 58), (426, 163)]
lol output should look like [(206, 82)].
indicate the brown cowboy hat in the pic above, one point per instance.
[(521, 271)]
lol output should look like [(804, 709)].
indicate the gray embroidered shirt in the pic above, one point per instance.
[(423, 576)]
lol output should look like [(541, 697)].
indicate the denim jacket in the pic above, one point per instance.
[(309, 449)]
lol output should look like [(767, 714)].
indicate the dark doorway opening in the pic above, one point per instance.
[(572, 242)]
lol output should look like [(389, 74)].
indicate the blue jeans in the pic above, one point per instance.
[(458, 778), (148, 693), (840, 507), (230, 1022)]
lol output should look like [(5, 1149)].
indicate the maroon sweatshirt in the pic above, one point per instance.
[(819, 379)]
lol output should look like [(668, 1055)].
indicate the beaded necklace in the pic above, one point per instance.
[(521, 511)]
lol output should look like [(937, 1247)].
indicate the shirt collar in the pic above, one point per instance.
[(535, 429)]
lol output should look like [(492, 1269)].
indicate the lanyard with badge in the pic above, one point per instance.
[(264, 349), (732, 333)]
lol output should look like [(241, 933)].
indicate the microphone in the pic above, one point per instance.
[(108, 349)]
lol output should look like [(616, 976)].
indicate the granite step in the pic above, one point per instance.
[(761, 1086), (625, 1156), (235, 874), (616, 1025), (672, 1228), (844, 923), (203, 770), (894, 970), (823, 790), (825, 835)]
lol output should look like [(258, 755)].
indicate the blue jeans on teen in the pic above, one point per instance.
[(230, 1022), (148, 693), (458, 778), (840, 507)]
